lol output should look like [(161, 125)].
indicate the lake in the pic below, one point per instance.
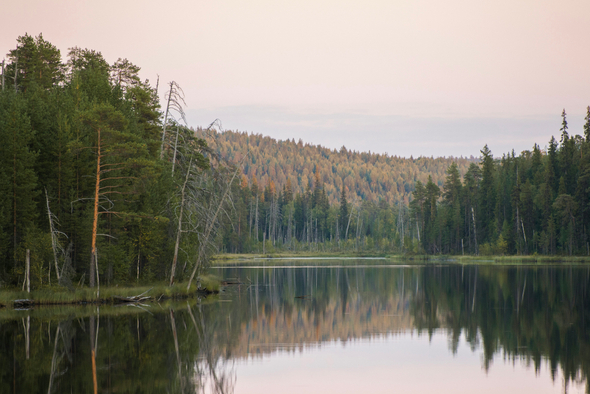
[(329, 326)]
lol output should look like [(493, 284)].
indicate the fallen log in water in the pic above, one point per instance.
[(23, 303), (132, 299)]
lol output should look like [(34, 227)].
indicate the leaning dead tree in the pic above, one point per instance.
[(195, 151), (205, 198), (174, 104), (211, 208), (55, 245)]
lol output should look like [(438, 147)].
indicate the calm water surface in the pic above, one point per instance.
[(329, 327)]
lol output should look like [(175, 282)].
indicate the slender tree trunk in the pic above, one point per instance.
[(175, 147), (53, 361), (208, 230), (179, 231), (256, 222), (28, 273), (348, 225), (175, 336), (474, 230), (93, 354), (93, 261), (28, 336), (250, 220), (53, 239), (138, 259), (14, 188), (165, 122)]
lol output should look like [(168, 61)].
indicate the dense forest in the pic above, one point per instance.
[(98, 181), (366, 175), (536, 202)]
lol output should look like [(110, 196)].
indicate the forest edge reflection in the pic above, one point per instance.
[(533, 314)]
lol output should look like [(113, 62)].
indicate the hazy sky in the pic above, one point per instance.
[(422, 77)]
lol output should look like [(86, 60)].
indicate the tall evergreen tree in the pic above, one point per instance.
[(487, 196), (17, 161)]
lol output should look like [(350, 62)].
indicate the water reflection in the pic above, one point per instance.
[(537, 315), (532, 314), (169, 349)]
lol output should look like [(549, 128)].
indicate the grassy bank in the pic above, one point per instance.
[(533, 259), (233, 258), (62, 312), (108, 295)]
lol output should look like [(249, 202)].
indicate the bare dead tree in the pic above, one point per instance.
[(55, 245), (179, 228), (194, 150), (210, 209), (175, 103), (208, 199)]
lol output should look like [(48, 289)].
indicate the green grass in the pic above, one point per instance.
[(107, 295), (230, 259), (532, 259)]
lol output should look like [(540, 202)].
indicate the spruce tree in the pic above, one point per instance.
[(487, 196)]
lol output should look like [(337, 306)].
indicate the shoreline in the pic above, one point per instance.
[(232, 258), (113, 295)]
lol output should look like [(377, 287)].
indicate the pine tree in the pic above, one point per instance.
[(39, 63), (120, 156)]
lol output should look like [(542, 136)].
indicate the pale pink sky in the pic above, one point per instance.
[(423, 77)]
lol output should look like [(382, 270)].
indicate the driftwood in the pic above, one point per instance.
[(133, 299)]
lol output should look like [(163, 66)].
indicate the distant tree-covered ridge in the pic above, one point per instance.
[(367, 176), (292, 194)]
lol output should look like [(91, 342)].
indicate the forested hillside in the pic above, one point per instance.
[(536, 202), (367, 176)]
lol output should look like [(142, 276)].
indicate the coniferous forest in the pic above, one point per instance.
[(535, 203), (98, 181)]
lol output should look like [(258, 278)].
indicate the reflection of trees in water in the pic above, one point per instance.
[(214, 373), (523, 313), (528, 314), (169, 352)]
